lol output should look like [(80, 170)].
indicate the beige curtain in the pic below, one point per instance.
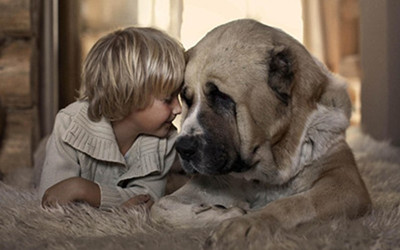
[(312, 32), (163, 14), (331, 32)]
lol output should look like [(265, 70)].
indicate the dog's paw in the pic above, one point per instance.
[(245, 232)]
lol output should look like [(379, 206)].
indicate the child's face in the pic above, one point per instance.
[(157, 118)]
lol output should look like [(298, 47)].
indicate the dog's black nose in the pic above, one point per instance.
[(186, 146)]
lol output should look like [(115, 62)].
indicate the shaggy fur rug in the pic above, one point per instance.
[(25, 225)]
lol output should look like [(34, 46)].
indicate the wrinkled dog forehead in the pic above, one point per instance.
[(229, 55), (236, 35)]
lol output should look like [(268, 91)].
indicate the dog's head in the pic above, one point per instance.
[(248, 91)]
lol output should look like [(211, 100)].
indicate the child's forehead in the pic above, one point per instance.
[(168, 92)]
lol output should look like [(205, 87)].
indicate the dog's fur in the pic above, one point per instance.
[(263, 133)]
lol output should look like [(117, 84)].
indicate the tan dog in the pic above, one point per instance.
[(263, 133)]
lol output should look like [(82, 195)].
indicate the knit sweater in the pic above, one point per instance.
[(81, 147)]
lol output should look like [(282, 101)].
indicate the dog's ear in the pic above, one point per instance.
[(188, 54), (281, 72)]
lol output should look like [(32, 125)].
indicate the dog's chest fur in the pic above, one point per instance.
[(323, 132)]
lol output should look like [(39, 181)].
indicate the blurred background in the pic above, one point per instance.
[(43, 44)]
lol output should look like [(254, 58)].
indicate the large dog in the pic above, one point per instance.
[(263, 134)]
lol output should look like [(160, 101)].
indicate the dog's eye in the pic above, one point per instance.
[(219, 100), (186, 98)]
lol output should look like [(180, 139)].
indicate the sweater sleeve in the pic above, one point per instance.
[(61, 160), (146, 175)]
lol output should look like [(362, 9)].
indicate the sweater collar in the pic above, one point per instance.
[(95, 139)]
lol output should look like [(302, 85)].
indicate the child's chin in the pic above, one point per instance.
[(164, 131)]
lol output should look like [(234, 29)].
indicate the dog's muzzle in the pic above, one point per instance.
[(202, 155), (187, 146)]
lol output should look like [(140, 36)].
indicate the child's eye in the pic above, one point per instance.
[(168, 100)]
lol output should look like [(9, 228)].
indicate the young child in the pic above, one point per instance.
[(117, 141)]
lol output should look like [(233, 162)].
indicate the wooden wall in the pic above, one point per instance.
[(18, 83)]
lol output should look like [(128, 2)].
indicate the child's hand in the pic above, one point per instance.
[(70, 190), (141, 199)]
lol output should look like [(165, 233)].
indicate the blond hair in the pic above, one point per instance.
[(127, 68)]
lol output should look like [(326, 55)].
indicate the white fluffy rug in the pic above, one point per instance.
[(25, 225)]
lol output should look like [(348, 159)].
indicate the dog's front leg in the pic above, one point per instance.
[(338, 192), (202, 201), (253, 230)]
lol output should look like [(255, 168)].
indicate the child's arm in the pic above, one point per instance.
[(148, 175), (60, 182), (152, 184), (141, 199), (61, 161), (70, 190)]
